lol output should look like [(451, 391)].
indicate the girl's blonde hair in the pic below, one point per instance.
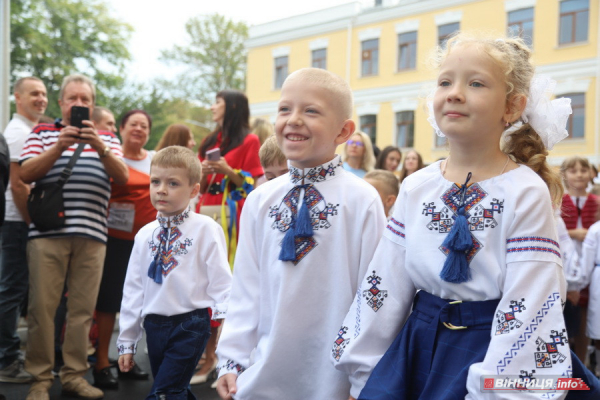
[(263, 129), (513, 56), (368, 160)]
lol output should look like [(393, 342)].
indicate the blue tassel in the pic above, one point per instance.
[(456, 268), (154, 272), (303, 222), (459, 237), (459, 242), (288, 246), (158, 276)]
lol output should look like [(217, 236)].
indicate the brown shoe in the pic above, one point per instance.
[(81, 389), (39, 391)]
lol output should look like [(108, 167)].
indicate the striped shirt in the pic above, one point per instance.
[(87, 191)]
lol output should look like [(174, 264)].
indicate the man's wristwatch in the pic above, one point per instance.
[(104, 151)]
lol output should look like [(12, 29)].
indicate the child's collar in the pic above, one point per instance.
[(174, 220), (316, 174)]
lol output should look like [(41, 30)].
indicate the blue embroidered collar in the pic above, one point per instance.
[(316, 174), (175, 220)]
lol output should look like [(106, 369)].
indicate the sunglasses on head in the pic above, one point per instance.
[(355, 142)]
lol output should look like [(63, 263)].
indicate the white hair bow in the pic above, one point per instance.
[(547, 117)]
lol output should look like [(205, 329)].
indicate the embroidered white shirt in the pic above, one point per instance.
[(516, 259), (195, 274), (282, 314)]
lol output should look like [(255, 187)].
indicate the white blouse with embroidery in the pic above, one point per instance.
[(515, 258), (282, 314), (194, 268)]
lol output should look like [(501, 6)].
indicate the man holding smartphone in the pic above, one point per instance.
[(74, 253)]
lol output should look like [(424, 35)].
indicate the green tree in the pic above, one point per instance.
[(51, 39), (215, 57), (155, 98)]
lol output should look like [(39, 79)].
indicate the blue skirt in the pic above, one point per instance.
[(429, 361)]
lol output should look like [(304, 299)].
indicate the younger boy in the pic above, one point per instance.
[(387, 186), (305, 244), (272, 159), (177, 270)]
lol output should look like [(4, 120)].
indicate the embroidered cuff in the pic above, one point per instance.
[(125, 348), (219, 311), (230, 367)]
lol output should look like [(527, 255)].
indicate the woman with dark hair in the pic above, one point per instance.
[(176, 135), (389, 159), (129, 210), (227, 179), (412, 163)]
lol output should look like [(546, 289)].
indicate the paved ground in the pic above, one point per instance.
[(128, 390)]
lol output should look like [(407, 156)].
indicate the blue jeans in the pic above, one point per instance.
[(175, 345), (14, 282)]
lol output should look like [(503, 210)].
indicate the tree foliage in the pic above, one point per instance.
[(154, 97), (215, 56), (51, 39)]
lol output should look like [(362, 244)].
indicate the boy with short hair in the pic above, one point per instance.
[(177, 270), (272, 159), (387, 185), (305, 245)]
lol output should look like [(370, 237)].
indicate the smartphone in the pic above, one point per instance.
[(213, 155), (78, 115)]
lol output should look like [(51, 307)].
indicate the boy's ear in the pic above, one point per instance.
[(514, 108), (195, 191), (390, 199), (347, 130)]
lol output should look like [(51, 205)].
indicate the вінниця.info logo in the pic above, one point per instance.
[(530, 382)]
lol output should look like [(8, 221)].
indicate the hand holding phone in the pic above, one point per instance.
[(213, 154), (78, 115)]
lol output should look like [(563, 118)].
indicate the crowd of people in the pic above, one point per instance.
[(365, 275)]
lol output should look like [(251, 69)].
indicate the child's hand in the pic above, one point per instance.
[(226, 386), (578, 234), (126, 362), (351, 398), (573, 297)]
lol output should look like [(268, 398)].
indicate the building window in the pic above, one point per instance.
[(445, 31), (407, 50), (319, 58), (574, 15), (576, 122), (368, 124), (281, 71), (520, 23), (405, 129), (370, 57)]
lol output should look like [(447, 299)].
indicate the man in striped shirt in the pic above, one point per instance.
[(74, 253)]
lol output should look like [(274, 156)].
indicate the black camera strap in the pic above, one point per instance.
[(68, 171)]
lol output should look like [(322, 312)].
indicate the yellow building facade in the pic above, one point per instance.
[(382, 49)]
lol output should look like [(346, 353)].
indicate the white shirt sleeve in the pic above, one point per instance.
[(380, 308), (130, 320), (239, 336), (528, 334), (217, 269), (572, 267)]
